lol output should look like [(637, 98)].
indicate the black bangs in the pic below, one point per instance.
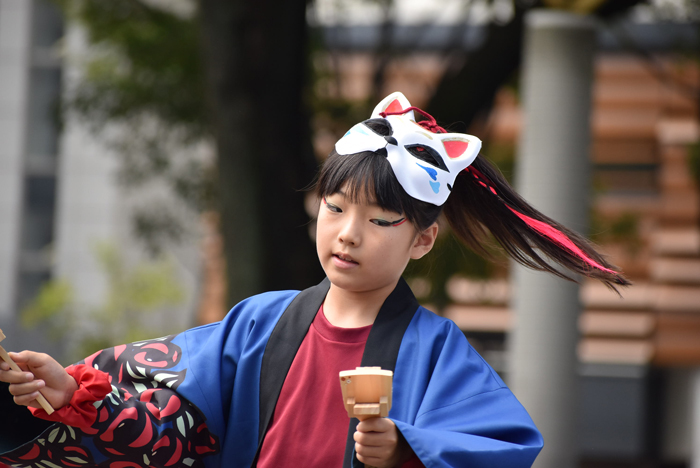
[(368, 177)]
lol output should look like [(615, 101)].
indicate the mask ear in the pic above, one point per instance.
[(395, 102), (461, 149)]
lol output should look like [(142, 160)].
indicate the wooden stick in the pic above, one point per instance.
[(6, 357)]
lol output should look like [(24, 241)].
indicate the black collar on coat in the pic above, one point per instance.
[(382, 348)]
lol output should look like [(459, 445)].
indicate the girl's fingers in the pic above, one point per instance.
[(369, 452), (28, 400), (14, 377), (370, 460), (27, 388), (29, 358), (376, 425), (19, 357)]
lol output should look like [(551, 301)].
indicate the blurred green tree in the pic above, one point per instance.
[(142, 75), (173, 75), (466, 93)]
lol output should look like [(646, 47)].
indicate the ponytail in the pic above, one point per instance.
[(482, 201)]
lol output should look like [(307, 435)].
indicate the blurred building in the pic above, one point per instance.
[(30, 80), (59, 196)]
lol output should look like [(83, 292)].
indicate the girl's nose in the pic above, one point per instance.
[(350, 233)]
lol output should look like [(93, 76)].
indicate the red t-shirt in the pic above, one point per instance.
[(310, 425)]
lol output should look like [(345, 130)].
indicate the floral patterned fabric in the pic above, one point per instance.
[(142, 422)]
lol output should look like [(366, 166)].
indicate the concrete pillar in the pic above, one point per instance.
[(553, 175), (695, 418)]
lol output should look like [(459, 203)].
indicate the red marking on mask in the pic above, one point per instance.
[(455, 148), (394, 106)]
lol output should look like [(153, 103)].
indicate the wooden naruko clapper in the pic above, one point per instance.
[(366, 392)]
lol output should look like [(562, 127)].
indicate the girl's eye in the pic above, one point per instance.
[(384, 223), (332, 208), (381, 222)]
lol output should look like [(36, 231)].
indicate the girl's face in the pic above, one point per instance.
[(363, 247)]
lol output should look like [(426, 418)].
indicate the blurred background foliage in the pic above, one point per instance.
[(133, 293), (143, 75), (143, 61)]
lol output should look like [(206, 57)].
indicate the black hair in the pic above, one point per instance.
[(478, 207), (368, 176)]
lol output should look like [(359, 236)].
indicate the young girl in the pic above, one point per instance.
[(261, 387)]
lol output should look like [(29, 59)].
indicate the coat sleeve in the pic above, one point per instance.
[(171, 398), (143, 421), (464, 415)]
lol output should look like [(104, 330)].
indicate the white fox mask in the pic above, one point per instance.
[(425, 163)]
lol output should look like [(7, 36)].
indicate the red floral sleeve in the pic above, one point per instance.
[(126, 413)]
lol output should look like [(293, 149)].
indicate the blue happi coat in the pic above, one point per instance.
[(205, 397)]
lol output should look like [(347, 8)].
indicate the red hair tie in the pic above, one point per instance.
[(430, 124), (542, 228)]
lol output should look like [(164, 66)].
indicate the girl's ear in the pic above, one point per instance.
[(424, 242)]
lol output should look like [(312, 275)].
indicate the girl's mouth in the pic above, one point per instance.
[(343, 261)]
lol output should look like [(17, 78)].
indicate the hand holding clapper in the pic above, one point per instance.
[(6, 357)]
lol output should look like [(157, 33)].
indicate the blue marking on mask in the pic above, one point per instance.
[(435, 186), (431, 172), (360, 129)]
